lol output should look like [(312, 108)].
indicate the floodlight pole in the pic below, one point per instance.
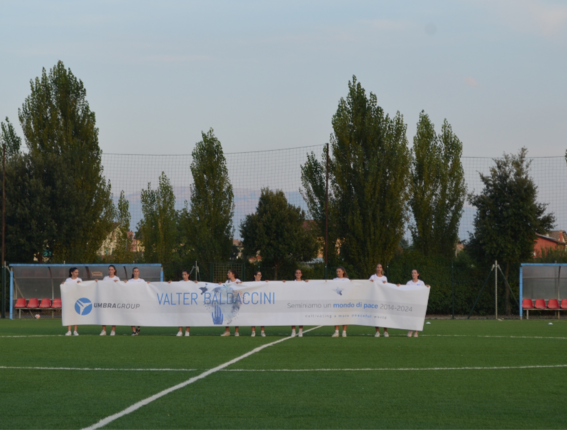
[(496, 289), (3, 229)]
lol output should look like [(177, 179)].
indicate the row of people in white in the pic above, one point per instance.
[(233, 278), (112, 277), (415, 281)]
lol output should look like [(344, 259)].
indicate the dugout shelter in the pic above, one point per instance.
[(543, 287), (34, 286)]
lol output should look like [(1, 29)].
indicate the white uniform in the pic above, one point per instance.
[(73, 280), (419, 283), (379, 279), (230, 282), (109, 279), (341, 279), (136, 280)]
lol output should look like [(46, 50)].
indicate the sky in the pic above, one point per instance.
[(269, 75)]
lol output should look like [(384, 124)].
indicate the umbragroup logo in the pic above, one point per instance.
[(83, 306)]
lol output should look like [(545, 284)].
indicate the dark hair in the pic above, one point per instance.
[(115, 271), (344, 271), (416, 271), (184, 271), (71, 270), (234, 273), (133, 272), (256, 272)]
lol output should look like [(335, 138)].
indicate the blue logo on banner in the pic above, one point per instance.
[(83, 306), (217, 316)]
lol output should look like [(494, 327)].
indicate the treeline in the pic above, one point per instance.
[(60, 207), (379, 187)]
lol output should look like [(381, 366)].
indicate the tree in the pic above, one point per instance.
[(313, 180), (508, 214), (26, 232), (158, 227), (122, 252), (278, 231), (207, 224), (10, 138), (437, 188), (369, 175), (64, 156), (58, 202), (29, 224)]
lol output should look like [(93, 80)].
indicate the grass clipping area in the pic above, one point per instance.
[(457, 374)]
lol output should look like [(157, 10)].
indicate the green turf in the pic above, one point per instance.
[(503, 398)]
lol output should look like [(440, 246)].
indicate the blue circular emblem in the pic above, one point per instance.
[(83, 306)]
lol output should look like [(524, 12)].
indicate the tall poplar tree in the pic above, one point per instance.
[(123, 251), (62, 139), (437, 188), (158, 227), (369, 176), (207, 223), (508, 214)]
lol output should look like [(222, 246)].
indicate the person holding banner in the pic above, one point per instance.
[(73, 277), (379, 278), (110, 278), (232, 279), (135, 279), (298, 275), (416, 282), (341, 276), (258, 278), (184, 278)]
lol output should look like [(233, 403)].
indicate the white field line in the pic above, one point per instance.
[(367, 369), (36, 335), (490, 336), (150, 399), (394, 369), (98, 368)]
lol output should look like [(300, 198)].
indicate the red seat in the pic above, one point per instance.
[(540, 304), (553, 304), (45, 303), (20, 303), (33, 303), (564, 304), (527, 304), (56, 304)]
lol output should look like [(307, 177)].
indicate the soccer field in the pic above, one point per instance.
[(457, 374)]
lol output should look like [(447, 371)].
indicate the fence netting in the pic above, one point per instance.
[(281, 169)]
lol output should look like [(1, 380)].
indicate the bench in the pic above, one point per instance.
[(540, 305)]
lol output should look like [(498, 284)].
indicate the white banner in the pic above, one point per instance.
[(274, 303)]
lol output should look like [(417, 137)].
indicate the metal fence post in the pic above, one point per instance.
[(496, 289), (453, 290)]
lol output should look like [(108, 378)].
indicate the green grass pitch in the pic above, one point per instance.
[(354, 382)]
